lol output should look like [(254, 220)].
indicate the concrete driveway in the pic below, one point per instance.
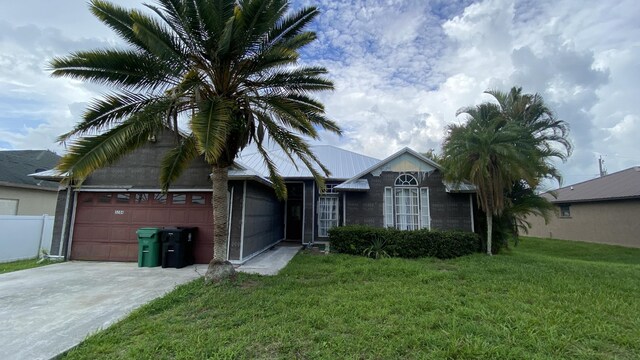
[(48, 310)]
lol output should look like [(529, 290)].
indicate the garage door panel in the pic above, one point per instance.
[(140, 215), (122, 234), (122, 252), (107, 231), (178, 216), (90, 233), (159, 216)]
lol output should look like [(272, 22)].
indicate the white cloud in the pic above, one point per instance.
[(401, 68)]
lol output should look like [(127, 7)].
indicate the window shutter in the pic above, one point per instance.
[(388, 207), (425, 215)]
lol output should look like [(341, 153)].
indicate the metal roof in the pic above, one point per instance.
[(461, 187), (343, 164), (623, 184), (357, 185), (16, 165)]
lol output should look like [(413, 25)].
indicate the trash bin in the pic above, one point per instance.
[(148, 247), (177, 246)]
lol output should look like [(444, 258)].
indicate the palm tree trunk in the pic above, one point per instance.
[(489, 231), (219, 179)]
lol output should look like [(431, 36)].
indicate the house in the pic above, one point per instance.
[(98, 219), (602, 210), (21, 194)]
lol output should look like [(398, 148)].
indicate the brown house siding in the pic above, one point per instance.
[(141, 169), (605, 222), (448, 211)]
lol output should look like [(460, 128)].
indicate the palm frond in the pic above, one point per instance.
[(176, 160)]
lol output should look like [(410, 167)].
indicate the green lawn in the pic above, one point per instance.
[(21, 265), (543, 300)]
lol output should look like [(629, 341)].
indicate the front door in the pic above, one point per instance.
[(295, 207)]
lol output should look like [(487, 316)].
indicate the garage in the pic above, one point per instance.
[(105, 223)]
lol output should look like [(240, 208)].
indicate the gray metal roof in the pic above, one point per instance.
[(357, 185), (16, 165), (623, 184), (462, 187), (343, 164)]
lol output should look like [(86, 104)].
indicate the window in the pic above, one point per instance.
[(141, 198), (565, 211), (160, 198), (104, 198), (179, 199), (8, 206), (329, 189), (388, 207), (327, 214), (197, 199), (123, 198), (407, 210), (425, 216), (406, 206)]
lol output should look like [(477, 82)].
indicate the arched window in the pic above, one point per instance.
[(406, 206), (406, 180)]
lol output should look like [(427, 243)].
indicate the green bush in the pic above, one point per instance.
[(358, 240)]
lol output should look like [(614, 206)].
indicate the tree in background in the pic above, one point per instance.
[(226, 68)]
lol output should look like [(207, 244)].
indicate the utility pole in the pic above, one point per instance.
[(603, 170)]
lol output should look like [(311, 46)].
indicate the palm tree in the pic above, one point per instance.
[(545, 131), (226, 68), (486, 151)]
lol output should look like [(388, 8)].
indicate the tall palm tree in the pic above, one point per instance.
[(486, 151), (227, 68), (544, 130)]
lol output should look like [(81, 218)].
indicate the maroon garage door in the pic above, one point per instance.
[(106, 223)]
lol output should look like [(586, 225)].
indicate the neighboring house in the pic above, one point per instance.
[(404, 191), (21, 194), (603, 210)]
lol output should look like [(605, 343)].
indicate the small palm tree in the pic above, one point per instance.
[(487, 152), (226, 68)]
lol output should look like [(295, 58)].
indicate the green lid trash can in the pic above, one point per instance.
[(148, 247)]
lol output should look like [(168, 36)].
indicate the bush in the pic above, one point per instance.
[(359, 240)]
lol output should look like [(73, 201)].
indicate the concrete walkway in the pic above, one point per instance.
[(271, 261), (48, 310)]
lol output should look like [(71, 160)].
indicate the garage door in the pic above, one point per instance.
[(106, 223)]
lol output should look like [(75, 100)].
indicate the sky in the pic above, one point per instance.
[(401, 69)]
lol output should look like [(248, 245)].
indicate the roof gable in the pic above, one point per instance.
[(405, 160)]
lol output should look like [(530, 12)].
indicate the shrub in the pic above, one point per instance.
[(360, 240)]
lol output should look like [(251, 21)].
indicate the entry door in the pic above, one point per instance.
[(295, 208)]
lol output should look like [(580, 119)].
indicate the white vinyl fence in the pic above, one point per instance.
[(23, 237)]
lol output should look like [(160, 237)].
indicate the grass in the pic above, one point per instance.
[(22, 265), (543, 300)]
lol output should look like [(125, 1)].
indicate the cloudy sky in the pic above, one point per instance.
[(401, 68)]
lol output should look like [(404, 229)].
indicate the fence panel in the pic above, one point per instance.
[(23, 237)]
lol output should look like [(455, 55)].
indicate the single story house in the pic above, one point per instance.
[(21, 194), (98, 219), (603, 210)]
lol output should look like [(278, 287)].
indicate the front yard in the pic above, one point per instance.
[(544, 299)]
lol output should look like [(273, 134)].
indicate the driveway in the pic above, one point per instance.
[(48, 310)]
